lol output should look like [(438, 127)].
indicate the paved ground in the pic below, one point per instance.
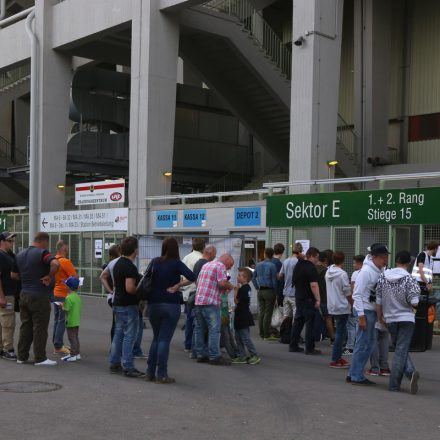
[(289, 396)]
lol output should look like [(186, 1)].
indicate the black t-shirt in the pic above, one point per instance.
[(124, 269), (421, 258), (198, 266), (243, 316), (304, 273), (6, 267)]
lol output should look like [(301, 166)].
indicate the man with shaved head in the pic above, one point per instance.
[(211, 283)]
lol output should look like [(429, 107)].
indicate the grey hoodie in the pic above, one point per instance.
[(397, 291), (338, 288), (365, 285)]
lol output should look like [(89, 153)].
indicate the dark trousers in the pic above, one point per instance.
[(72, 334), (35, 316), (266, 303), (189, 326), (305, 315)]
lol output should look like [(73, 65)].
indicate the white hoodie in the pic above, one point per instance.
[(338, 288), (365, 285), (397, 292)]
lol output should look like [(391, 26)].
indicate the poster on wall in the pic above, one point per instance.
[(305, 245), (97, 193)]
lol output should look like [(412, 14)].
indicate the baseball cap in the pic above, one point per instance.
[(5, 235), (72, 283), (379, 249), (403, 257)]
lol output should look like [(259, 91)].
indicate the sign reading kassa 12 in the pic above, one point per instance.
[(380, 207)]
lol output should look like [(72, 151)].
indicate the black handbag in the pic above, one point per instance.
[(144, 289)]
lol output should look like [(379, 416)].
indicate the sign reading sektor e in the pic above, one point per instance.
[(378, 207)]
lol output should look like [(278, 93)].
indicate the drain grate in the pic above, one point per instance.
[(29, 386)]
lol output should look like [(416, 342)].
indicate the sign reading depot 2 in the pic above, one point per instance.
[(377, 207)]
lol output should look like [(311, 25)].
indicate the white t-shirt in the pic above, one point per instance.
[(354, 275)]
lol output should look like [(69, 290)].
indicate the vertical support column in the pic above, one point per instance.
[(371, 71), (54, 76), (154, 54), (315, 88)]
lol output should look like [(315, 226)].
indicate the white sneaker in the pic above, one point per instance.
[(20, 362), (78, 357), (64, 358), (46, 363), (72, 358)]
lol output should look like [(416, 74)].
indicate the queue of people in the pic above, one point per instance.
[(360, 317)]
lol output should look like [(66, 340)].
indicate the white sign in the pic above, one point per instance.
[(96, 193), (305, 245), (82, 221), (98, 249), (187, 240)]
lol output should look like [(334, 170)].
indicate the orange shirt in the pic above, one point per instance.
[(65, 271)]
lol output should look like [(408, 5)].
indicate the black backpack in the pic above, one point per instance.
[(145, 287), (285, 331)]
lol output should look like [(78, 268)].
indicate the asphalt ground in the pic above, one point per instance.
[(288, 396)]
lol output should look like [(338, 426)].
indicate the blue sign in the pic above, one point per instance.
[(247, 216), (194, 218), (166, 219)]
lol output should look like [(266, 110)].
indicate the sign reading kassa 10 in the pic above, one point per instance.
[(380, 207)]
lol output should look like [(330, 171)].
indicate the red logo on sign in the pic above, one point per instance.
[(115, 197)]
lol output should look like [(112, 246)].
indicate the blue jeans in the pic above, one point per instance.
[(379, 355), (401, 335), (137, 349), (163, 318), (59, 323), (126, 330), (208, 320), (351, 331), (340, 335), (243, 339), (363, 347), (189, 326)]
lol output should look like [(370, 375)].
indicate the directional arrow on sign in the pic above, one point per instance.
[(44, 222)]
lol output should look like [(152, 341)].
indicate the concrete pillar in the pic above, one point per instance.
[(154, 54), (315, 88), (54, 71), (371, 77)]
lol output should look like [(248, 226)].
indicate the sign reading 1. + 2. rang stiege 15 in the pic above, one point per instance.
[(377, 207)]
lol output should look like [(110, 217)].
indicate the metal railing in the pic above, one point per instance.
[(258, 28), (347, 139), (11, 77), (16, 157)]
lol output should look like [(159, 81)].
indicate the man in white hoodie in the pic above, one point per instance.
[(364, 305), (396, 295), (339, 305)]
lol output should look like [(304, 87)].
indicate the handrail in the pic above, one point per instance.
[(14, 75), (16, 17), (6, 152), (257, 26), (347, 138)]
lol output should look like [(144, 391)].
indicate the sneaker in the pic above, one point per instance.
[(239, 360), (202, 360), (64, 358), (413, 385), (78, 357), (186, 350), (219, 361), (385, 372), (296, 350), (150, 377), (20, 362), (192, 356), (314, 351), (72, 358), (348, 352), (254, 360), (373, 373), (271, 339), (364, 382), (9, 355), (337, 364), (140, 356), (344, 362), (46, 363), (165, 380), (114, 369), (347, 379), (132, 372), (62, 350)]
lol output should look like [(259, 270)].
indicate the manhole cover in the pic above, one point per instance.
[(29, 386)]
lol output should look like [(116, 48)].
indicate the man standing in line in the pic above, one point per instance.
[(198, 244), (265, 280), (423, 266), (36, 267), (278, 251), (325, 260), (364, 306), (7, 300), (60, 292), (305, 280), (211, 283)]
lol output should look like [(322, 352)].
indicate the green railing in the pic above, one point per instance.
[(15, 75), (258, 28)]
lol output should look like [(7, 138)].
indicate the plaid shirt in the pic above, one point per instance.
[(208, 292)]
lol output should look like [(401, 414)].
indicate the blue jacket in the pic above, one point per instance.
[(265, 275)]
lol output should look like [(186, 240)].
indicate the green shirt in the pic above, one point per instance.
[(224, 308), (72, 307)]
